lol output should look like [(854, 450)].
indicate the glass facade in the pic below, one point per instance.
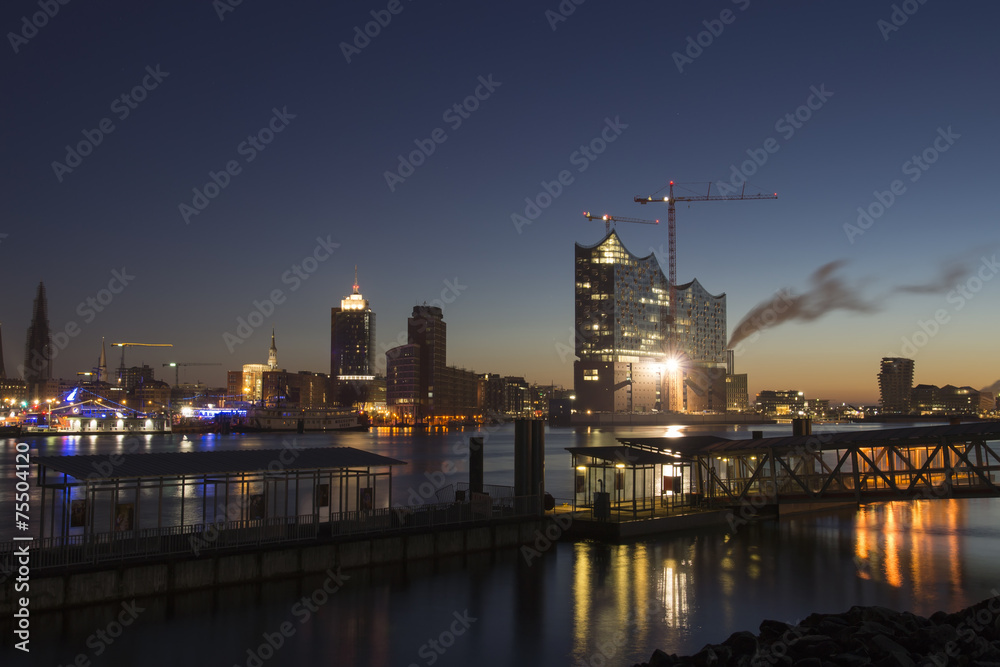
[(623, 309)]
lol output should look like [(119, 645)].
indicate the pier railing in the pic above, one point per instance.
[(198, 539)]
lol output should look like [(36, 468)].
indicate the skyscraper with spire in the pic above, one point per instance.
[(352, 348), (3, 371), (37, 369)]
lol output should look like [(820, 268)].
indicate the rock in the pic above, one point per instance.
[(771, 630), (742, 643), (899, 655), (661, 659)]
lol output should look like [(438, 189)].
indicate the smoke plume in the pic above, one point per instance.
[(827, 293)]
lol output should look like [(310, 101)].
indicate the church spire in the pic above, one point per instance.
[(102, 364), (272, 354)]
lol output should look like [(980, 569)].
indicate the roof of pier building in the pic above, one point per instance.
[(177, 464)]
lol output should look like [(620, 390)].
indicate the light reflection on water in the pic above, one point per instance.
[(587, 602)]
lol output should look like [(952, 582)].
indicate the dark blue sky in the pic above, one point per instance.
[(447, 227)]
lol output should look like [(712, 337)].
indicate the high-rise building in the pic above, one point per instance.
[(352, 349), (419, 385), (629, 359), (895, 385), (37, 370), (426, 328)]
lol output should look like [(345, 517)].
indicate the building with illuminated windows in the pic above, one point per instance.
[(627, 361), (352, 349)]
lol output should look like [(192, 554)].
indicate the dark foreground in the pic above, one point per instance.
[(861, 636)]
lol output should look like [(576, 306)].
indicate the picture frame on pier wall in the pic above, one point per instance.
[(256, 507), (124, 513), (581, 483), (323, 495), (367, 499), (619, 480), (78, 513)]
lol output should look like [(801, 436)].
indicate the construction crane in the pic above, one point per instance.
[(608, 219), (177, 368), (670, 200), (121, 370), (673, 350)]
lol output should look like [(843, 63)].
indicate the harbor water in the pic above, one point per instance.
[(585, 603)]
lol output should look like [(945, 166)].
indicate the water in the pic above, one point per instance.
[(585, 603)]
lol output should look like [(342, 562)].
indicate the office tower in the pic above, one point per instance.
[(426, 328), (352, 349)]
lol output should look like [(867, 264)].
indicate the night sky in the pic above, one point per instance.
[(313, 183)]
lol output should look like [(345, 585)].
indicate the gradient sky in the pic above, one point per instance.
[(449, 223)]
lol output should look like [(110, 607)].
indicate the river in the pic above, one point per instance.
[(586, 603)]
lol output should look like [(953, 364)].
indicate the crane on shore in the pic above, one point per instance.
[(121, 370), (177, 368), (608, 219)]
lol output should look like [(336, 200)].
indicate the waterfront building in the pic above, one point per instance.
[(352, 349), (402, 381), (135, 376), (928, 399), (37, 369), (895, 385), (737, 395), (781, 403), (629, 360), (419, 384)]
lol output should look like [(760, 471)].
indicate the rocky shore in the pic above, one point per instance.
[(860, 636)]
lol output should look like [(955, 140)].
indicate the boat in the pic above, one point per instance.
[(300, 420)]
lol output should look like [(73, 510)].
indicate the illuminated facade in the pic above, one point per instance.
[(352, 349), (623, 338)]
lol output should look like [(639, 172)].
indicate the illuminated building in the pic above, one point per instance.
[(895, 385), (737, 396), (777, 403), (352, 349), (623, 338)]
